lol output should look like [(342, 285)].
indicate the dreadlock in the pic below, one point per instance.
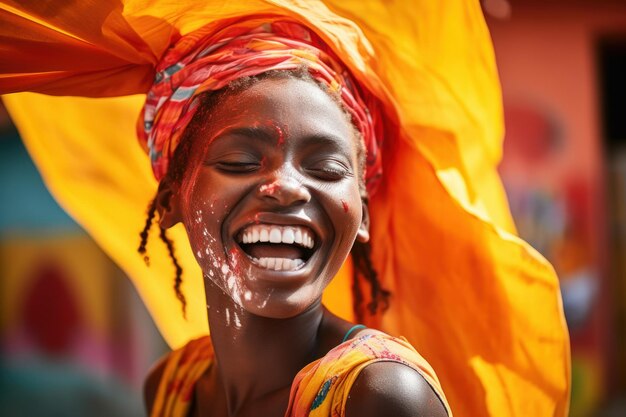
[(144, 233), (178, 279), (364, 270), (179, 271)]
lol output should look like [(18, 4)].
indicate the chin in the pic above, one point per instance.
[(281, 303)]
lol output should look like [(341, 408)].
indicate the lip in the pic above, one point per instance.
[(239, 237), (278, 219), (296, 277)]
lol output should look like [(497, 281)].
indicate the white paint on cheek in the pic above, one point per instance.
[(236, 298), (225, 269), (250, 275), (233, 261), (228, 317), (198, 218), (247, 295), (231, 282), (234, 289), (237, 321), (199, 254), (264, 303), (211, 272)]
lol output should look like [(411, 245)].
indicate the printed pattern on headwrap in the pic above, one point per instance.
[(208, 60)]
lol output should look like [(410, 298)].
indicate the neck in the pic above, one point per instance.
[(256, 356)]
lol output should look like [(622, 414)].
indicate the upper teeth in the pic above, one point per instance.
[(278, 234)]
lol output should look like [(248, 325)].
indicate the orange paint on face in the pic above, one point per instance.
[(345, 206), (281, 134), (269, 188), (273, 125), (219, 133)]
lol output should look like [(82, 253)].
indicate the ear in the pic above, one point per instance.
[(168, 204), (363, 234)]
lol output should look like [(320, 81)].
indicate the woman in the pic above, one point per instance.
[(272, 159), (270, 177), (478, 302)]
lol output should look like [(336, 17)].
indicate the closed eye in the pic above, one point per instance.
[(329, 170), (237, 166), (234, 162)]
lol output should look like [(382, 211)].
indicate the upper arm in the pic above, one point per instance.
[(392, 389), (151, 384)]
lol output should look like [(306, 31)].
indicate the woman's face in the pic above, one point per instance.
[(270, 198)]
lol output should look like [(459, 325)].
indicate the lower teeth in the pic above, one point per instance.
[(279, 264)]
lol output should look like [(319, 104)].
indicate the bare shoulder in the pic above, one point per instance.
[(392, 389), (151, 384)]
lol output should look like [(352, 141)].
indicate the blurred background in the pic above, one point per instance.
[(563, 72), (76, 340)]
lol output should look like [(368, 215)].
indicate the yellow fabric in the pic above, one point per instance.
[(183, 368), (480, 304), (320, 389)]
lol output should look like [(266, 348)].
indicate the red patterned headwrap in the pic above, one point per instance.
[(208, 60)]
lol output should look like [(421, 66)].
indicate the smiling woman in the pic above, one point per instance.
[(268, 124), (269, 182), (327, 157), (270, 159)]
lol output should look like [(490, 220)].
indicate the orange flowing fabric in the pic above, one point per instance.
[(477, 302), (319, 390)]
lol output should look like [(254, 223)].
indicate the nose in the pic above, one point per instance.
[(284, 190)]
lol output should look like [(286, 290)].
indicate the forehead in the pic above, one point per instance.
[(297, 106)]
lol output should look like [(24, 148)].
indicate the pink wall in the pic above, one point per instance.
[(546, 54)]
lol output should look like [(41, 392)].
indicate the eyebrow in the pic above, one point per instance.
[(325, 140), (268, 134), (252, 132)]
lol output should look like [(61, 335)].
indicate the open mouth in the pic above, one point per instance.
[(278, 248)]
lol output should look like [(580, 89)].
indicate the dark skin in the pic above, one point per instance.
[(280, 153)]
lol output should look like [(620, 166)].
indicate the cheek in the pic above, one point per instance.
[(204, 234), (206, 208), (350, 208), (350, 214), (202, 217), (345, 215), (345, 205), (204, 229)]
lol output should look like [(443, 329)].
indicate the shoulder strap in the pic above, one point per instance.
[(352, 329)]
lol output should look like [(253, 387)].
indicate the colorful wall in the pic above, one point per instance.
[(555, 170), (75, 339)]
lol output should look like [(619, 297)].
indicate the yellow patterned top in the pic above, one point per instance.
[(320, 389)]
